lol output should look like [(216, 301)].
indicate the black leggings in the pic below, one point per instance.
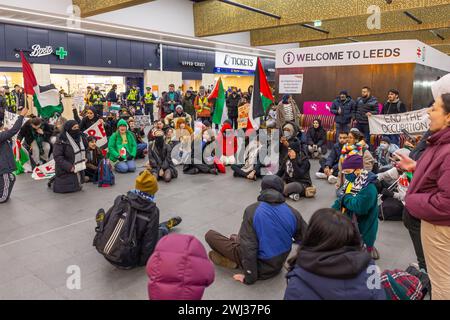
[(238, 172)]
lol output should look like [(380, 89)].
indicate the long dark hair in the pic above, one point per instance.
[(330, 230)]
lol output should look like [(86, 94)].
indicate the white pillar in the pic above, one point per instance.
[(162, 79)]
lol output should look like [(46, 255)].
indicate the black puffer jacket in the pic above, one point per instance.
[(364, 106), (267, 230), (65, 180), (7, 161)]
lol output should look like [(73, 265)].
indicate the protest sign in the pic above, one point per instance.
[(10, 119), (46, 171), (243, 112), (142, 121), (414, 122), (97, 130)]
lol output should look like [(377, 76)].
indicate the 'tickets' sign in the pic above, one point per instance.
[(363, 53), (235, 61)]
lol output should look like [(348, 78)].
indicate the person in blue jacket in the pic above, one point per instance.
[(265, 239), (342, 108), (331, 263), (329, 168)]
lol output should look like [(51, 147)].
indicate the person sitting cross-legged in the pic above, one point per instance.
[(265, 238)]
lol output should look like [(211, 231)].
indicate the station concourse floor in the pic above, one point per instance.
[(43, 233)]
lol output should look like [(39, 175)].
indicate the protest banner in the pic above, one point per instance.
[(414, 122), (97, 130), (10, 119), (46, 171), (142, 121)]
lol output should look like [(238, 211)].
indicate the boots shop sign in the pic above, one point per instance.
[(363, 53), (235, 61), (38, 51)]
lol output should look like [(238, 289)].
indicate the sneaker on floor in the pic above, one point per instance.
[(294, 196), (321, 175), (220, 260), (332, 179), (374, 254), (173, 222)]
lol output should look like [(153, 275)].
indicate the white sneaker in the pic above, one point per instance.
[(321, 175), (294, 196), (332, 179)]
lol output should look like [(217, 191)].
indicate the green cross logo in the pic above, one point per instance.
[(61, 53)]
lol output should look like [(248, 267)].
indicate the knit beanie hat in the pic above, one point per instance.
[(353, 162), (121, 123), (343, 92), (146, 182)]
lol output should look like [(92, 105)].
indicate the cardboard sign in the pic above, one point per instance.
[(142, 121), (291, 83), (243, 116), (414, 122), (46, 171), (10, 119), (97, 130)]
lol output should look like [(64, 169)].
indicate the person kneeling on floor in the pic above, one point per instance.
[(329, 168), (265, 238), (94, 157), (122, 148), (295, 173), (331, 263), (127, 234), (359, 200)]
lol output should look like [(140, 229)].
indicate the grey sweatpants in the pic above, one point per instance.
[(7, 181)]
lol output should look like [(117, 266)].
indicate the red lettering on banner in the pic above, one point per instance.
[(102, 129)]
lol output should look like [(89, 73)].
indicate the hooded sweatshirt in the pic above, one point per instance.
[(341, 274), (179, 269), (116, 143), (428, 196)]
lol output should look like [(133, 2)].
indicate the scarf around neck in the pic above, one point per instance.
[(78, 149)]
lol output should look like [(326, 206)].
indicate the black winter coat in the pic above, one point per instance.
[(232, 105), (363, 106), (316, 136), (27, 132), (65, 180), (394, 108), (3, 108), (346, 110), (301, 168), (7, 161), (250, 241), (162, 160)]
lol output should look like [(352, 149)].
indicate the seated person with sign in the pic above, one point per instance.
[(122, 148), (178, 114)]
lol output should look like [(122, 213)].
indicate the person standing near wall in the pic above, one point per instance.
[(342, 109), (394, 106), (202, 106), (147, 101), (366, 106), (232, 105), (19, 96), (97, 100), (10, 98), (111, 97)]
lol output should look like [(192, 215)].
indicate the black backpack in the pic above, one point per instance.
[(115, 235)]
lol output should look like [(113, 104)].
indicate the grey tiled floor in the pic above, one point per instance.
[(42, 233)]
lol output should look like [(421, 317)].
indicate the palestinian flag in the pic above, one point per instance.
[(22, 158), (46, 98), (262, 98), (220, 107)]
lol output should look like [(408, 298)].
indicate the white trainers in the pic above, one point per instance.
[(321, 175), (332, 179), (294, 196)]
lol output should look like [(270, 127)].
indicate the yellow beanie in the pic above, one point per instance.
[(146, 182)]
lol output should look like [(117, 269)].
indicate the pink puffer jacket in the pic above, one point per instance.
[(179, 269)]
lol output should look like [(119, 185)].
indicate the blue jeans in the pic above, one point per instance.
[(341, 128), (125, 166)]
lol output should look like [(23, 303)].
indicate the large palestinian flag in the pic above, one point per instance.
[(262, 98), (220, 107), (45, 98)]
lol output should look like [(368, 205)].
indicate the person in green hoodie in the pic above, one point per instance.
[(122, 148), (359, 200)]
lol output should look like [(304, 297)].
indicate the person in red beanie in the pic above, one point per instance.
[(179, 269)]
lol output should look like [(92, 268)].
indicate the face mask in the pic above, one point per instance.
[(76, 134), (351, 177), (383, 146), (287, 134)]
